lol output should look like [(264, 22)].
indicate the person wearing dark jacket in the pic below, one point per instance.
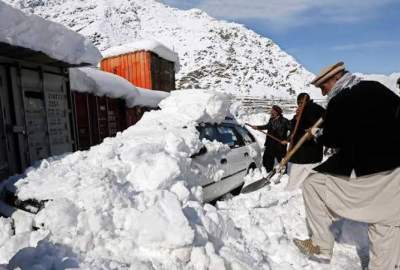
[(398, 83), (361, 181), (311, 152), (276, 141)]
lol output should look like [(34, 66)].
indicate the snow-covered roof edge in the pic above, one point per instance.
[(38, 34), (101, 83), (145, 45)]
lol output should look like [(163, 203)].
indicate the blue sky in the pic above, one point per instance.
[(365, 34)]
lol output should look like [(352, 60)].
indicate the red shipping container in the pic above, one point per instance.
[(143, 69)]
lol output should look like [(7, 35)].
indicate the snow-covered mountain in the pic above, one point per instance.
[(213, 53)]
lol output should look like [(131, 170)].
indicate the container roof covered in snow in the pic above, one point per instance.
[(144, 45), (31, 38), (100, 83)]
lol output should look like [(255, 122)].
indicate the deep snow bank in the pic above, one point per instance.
[(133, 202)]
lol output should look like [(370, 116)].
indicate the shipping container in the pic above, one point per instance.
[(97, 118), (36, 119), (143, 69), (133, 115)]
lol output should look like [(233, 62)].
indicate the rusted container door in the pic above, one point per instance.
[(133, 115), (10, 156), (35, 115), (115, 109), (134, 67), (98, 118), (4, 147), (44, 100), (83, 120), (121, 115), (102, 118), (57, 113), (162, 73), (112, 112)]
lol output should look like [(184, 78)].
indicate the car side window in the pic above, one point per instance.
[(208, 133), (247, 137), (228, 136)]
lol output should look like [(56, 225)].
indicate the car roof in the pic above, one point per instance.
[(227, 120)]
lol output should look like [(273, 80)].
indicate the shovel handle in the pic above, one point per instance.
[(292, 151), (268, 135)]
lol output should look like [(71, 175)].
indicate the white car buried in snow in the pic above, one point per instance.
[(223, 172)]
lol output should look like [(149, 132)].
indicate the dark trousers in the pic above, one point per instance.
[(272, 153)]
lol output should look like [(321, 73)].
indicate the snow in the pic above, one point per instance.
[(125, 202), (53, 39), (270, 218), (148, 97), (204, 107), (100, 83), (144, 45), (134, 202)]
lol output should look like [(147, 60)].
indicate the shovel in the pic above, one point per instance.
[(280, 168)]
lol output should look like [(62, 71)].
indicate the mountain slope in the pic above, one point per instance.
[(213, 54)]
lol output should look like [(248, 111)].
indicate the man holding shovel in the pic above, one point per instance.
[(310, 153), (361, 181), (277, 136)]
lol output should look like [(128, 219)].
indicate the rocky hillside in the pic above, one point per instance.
[(213, 53)]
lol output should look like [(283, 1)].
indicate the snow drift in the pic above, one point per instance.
[(53, 39), (101, 83), (133, 202)]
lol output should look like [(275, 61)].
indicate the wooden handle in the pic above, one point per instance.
[(300, 113), (292, 151), (268, 135)]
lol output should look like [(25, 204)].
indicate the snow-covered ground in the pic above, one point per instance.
[(134, 202)]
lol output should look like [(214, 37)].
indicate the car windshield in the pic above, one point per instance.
[(228, 136), (208, 133), (247, 137), (225, 133)]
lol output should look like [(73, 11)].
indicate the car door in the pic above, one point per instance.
[(233, 163), (211, 165), (237, 158), (253, 148)]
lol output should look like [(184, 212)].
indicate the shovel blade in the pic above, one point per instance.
[(259, 183), (255, 186)]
